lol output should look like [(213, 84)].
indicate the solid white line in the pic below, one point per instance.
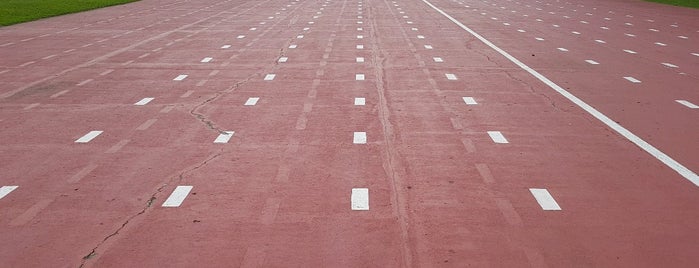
[(544, 198), (360, 199), (224, 137), (5, 190), (89, 136), (497, 137), (283, 59), (451, 76), (359, 138), (632, 80), (177, 196), (144, 101), (207, 59), (360, 59), (270, 77), (592, 62), (180, 77), (688, 104), (359, 101), (359, 77), (252, 101), (662, 157), (469, 100), (437, 59)]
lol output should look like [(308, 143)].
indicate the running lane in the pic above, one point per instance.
[(362, 133)]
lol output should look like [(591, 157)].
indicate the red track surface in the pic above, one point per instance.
[(441, 192)]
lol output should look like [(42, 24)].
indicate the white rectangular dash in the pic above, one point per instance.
[(469, 100), (360, 199), (252, 101), (631, 79), (359, 77), (270, 77), (360, 37), (562, 49), (293, 46), (360, 46), (437, 59), (241, 37), (207, 59), (629, 51), (89, 136), (177, 196), (428, 47), (360, 59), (180, 77), (592, 62), (226, 46), (283, 59), (497, 137), (359, 101), (670, 65), (661, 44), (359, 138), (451, 76), (544, 198), (144, 101), (224, 137), (5, 190), (688, 104)]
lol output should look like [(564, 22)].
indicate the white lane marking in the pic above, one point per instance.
[(177, 196), (556, 25), (604, 28), (241, 36), (226, 46), (497, 137), (89, 136), (360, 59), (521, 31), (360, 37), (688, 104), (600, 41), (451, 76), (207, 59), (360, 46), (5, 190), (544, 198), (539, 39), (632, 80), (506, 24), (144, 101), (592, 62), (360, 199), (428, 47), (359, 101), (293, 46), (562, 49), (359, 138), (310, 22), (283, 59), (695, 54), (251, 101), (469, 100), (48, 57), (420, 37), (670, 65), (630, 35), (360, 29), (224, 137), (299, 36), (359, 77), (253, 29), (682, 36), (628, 24), (584, 22), (629, 51), (661, 44), (306, 29), (437, 59), (270, 77), (180, 77)]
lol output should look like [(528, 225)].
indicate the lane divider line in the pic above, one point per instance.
[(544, 198), (252, 101), (89, 136), (144, 101), (497, 137), (688, 104), (224, 137), (177, 196)]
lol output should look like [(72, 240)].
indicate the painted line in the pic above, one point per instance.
[(654, 30), (360, 46), (360, 29), (360, 37), (283, 59), (661, 44), (270, 77), (360, 199), (670, 65), (592, 62), (360, 59), (420, 37), (359, 101), (682, 36), (224, 137), (180, 77), (241, 37), (629, 51), (695, 54), (299, 37), (451, 76), (574, 32), (632, 80), (688, 104), (437, 59), (5, 190), (562, 49), (469, 100), (544, 198), (226, 46), (630, 35), (252, 101), (359, 138), (207, 59), (600, 41), (359, 77), (293, 46), (539, 39), (650, 149), (177, 196), (497, 137), (89, 136), (30, 106), (428, 47), (143, 101)]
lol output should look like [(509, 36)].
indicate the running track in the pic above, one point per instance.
[(362, 133)]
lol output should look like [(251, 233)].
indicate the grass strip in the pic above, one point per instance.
[(681, 3), (18, 11)]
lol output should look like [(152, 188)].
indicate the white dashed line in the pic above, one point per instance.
[(177, 196), (521, 31), (359, 77), (682, 36), (629, 51), (359, 138), (695, 54), (669, 65), (5, 190), (299, 37), (270, 77), (143, 101), (360, 37), (224, 137), (359, 101), (654, 30), (631, 79), (241, 37), (592, 62), (497, 137), (661, 44), (539, 39), (360, 199), (437, 59), (207, 59), (600, 41), (451, 76), (293, 46), (360, 46), (252, 101), (360, 59), (420, 37), (180, 77), (283, 59), (562, 49), (688, 104), (544, 198), (630, 35), (89, 136), (226, 46), (469, 100), (428, 47)]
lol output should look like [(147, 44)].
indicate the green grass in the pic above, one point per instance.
[(682, 3), (17, 11)]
